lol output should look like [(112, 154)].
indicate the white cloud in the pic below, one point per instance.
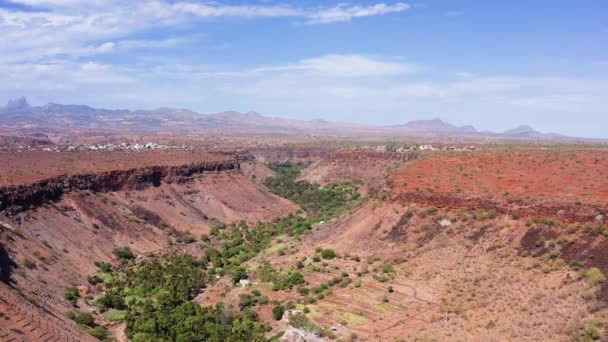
[(342, 13), (352, 65), (79, 28)]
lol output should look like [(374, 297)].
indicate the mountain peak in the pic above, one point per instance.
[(18, 103), (521, 129)]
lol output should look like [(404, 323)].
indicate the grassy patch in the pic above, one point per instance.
[(115, 315), (314, 312), (276, 249), (384, 308), (351, 318)]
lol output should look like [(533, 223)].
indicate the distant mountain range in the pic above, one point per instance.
[(19, 114)]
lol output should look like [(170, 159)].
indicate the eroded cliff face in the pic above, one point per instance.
[(14, 199), (53, 232)]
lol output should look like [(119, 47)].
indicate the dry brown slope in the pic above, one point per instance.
[(61, 241)]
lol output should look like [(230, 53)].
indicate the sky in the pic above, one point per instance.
[(492, 64)]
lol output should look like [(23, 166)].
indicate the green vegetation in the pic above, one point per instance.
[(87, 322), (594, 276), (321, 202), (328, 254), (115, 315), (156, 297), (105, 267), (278, 311), (352, 318), (123, 253), (85, 318), (71, 294)]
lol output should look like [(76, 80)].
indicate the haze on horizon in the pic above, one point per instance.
[(489, 64)]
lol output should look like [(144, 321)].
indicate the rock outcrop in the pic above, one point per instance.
[(14, 199)]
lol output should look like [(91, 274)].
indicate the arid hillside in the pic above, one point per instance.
[(53, 245), (311, 244)]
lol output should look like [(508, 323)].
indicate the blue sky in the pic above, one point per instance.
[(492, 64)]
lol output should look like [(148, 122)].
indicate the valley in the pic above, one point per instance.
[(304, 243)]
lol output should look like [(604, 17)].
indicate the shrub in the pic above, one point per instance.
[(94, 280), (277, 312), (256, 293), (388, 268), (328, 254), (100, 332), (246, 300), (71, 293), (238, 274), (111, 301), (390, 289), (306, 310), (576, 265), (381, 278), (105, 267), (123, 253), (85, 318), (70, 314), (594, 276)]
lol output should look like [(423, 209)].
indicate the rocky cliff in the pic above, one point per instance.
[(14, 199)]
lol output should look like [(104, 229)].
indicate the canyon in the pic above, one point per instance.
[(412, 257)]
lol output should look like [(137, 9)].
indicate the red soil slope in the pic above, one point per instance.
[(28, 167), (62, 240), (547, 175)]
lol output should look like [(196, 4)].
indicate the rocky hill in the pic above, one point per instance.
[(20, 114)]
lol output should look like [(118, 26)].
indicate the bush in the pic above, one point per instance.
[(70, 314), (328, 254), (94, 280), (381, 278), (246, 300), (105, 267), (100, 332), (594, 276), (71, 293), (111, 301), (85, 318), (388, 268), (576, 265), (390, 289), (123, 253), (238, 274), (277, 312)]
